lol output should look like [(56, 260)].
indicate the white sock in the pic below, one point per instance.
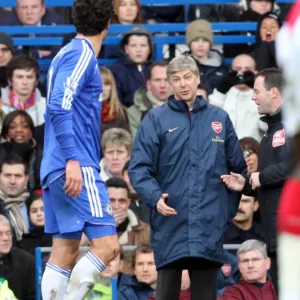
[(54, 282), (83, 276)]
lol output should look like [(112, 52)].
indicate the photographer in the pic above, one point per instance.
[(234, 96)]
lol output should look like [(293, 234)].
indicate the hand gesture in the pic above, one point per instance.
[(163, 208), (254, 180), (234, 181), (120, 216), (73, 185)]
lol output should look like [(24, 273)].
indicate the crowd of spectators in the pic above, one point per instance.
[(131, 87)]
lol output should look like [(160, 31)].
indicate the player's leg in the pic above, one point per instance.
[(58, 269), (101, 231), (103, 250), (64, 250)]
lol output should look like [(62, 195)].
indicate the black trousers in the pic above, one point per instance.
[(203, 276)]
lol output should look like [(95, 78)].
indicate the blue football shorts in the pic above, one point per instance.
[(91, 212)]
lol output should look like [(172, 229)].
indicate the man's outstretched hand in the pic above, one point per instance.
[(73, 185), (163, 208), (234, 181)]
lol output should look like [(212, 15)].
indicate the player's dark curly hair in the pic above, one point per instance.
[(90, 17)]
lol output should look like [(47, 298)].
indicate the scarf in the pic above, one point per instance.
[(18, 104), (105, 112), (12, 208), (155, 102)]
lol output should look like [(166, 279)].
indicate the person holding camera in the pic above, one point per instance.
[(234, 96)]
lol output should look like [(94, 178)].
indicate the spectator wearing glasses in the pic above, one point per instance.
[(250, 147), (254, 264)]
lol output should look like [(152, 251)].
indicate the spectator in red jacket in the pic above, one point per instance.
[(254, 264)]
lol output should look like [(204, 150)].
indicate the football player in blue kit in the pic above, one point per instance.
[(75, 197)]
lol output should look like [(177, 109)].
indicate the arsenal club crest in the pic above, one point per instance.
[(278, 138), (216, 126)]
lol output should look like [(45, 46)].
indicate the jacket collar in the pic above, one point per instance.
[(180, 105), (272, 118)]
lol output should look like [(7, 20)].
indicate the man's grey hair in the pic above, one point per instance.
[(4, 220), (181, 63), (253, 245)]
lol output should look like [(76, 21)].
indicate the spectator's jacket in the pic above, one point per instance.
[(129, 78), (136, 111), (242, 111), (18, 268), (229, 273), (274, 167), (248, 291), (265, 55), (128, 75), (5, 292), (36, 112), (212, 71), (236, 235), (134, 290), (185, 156), (136, 233), (50, 18)]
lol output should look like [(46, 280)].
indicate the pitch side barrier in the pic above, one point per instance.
[(46, 250)]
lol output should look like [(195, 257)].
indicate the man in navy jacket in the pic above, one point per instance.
[(181, 150)]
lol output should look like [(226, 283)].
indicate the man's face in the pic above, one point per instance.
[(247, 207), (200, 48), (138, 48), (5, 55), (30, 12), (145, 269), (5, 238), (127, 180), (119, 199), (184, 84), (254, 267), (158, 83), (243, 63), (262, 97), (23, 82), (13, 180), (268, 30), (113, 268), (115, 157)]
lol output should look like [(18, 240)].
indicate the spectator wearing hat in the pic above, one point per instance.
[(6, 54), (264, 51), (132, 72), (210, 62)]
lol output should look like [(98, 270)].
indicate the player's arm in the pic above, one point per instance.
[(66, 86), (143, 162)]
